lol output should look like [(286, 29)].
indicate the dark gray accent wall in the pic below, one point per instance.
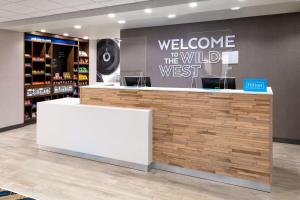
[(269, 47)]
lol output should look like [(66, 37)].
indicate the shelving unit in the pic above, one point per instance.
[(81, 66), (52, 68)]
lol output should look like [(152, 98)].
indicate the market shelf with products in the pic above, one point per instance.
[(54, 67)]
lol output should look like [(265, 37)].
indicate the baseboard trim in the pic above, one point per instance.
[(287, 141), (120, 163), (213, 177), (11, 127), (169, 168)]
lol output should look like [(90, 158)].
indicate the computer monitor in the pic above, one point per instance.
[(138, 81), (218, 83)]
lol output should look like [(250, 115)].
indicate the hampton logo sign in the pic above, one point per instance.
[(187, 56)]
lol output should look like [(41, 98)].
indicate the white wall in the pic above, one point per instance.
[(93, 61), (11, 78)]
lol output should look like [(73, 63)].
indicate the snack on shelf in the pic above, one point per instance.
[(63, 89), (38, 83), (27, 102), (34, 106), (27, 55), (38, 72), (38, 59), (27, 64), (83, 60), (27, 115), (67, 75), (63, 82), (83, 77), (83, 83), (83, 70), (83, 54), (48, 65), (57, 77), (75, 92), (48, 56), (38, 91)]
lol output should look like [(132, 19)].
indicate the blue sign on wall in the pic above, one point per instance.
[(255, 85), (29, 37)]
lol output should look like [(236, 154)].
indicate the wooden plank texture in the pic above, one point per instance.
[(220, 133)]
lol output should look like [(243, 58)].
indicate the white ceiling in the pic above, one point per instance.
[(96, 24), (23, 9)]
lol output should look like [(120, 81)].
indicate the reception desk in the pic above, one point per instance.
[(220, 135)]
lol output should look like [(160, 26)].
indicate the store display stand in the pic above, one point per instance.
[(54, 67)]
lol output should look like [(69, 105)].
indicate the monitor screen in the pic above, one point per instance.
[(218, 83), (138, 81)]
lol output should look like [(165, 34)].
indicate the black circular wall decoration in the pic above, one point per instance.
[(108, 57)]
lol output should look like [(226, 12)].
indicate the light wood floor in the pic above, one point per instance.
[(49, 176)]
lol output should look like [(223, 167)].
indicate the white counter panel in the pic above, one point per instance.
[(109, 133)]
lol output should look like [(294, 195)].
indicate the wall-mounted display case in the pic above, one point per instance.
[(54, 67)]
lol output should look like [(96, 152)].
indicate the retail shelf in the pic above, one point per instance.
[(38, 74)]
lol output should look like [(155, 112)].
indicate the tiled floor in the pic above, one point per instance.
[(49, 176)]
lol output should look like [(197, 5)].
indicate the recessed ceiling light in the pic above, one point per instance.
[(77, 26), (171, 16), (148, 10), (43, 30), (242, 0), (66, 34), (111, 15), (122, 22), (235, 8), (193, 4), (86, 37)]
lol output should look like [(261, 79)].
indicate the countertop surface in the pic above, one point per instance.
[(63, 101), (227, 91), (75, 102)]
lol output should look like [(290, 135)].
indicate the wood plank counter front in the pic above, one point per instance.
[(219, 135)]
